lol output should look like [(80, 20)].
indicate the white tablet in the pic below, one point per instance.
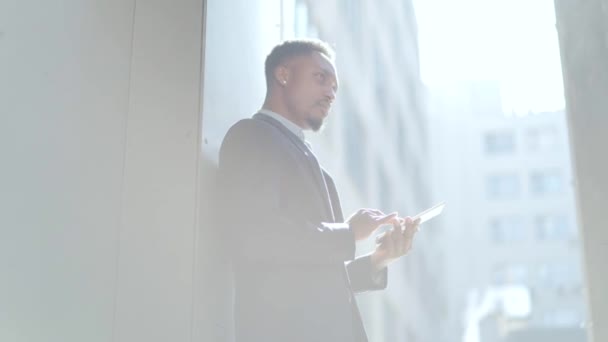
[(430, 213), (424, 216)]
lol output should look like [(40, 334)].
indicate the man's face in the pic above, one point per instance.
[(310, 89)]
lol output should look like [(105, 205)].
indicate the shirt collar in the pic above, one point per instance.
[(292, 127)]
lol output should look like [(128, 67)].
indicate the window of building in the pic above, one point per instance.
[(553, 227), (510, 274), (562, 318), (499, 143), (541, 139), (546, 182), (560, 276), (507, 229), (503, 186)]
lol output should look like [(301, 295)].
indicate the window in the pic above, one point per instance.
[(503, 186), (553, 227), (507, 229), (541, 139), (560, 276), (546, 182), (497, 143), (562, 317), (504, 274)]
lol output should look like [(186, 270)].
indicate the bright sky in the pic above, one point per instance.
[(511, 41)]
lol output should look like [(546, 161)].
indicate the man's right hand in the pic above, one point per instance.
[(365, 221)]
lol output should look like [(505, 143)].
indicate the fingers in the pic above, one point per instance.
[(380, 238), (365, 221), (386, 219), (410, 221), (370, 210), (411, 226), (391, 245), (380, 217), (399, 242)]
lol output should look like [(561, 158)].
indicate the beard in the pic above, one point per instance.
[(316, 124)]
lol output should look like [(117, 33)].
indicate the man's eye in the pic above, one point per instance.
[(320, 77)]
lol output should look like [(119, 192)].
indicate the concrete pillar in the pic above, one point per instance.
[(100, 140), (582, 28)]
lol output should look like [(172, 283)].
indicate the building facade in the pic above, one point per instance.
[(512, 177)]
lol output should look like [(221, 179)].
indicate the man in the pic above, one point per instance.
[(292, 249)]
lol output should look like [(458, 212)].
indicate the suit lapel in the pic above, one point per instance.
[(336, 206), (309, 159)]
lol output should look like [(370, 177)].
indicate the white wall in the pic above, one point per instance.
[(99, 138)]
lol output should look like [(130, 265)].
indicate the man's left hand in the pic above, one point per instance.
[(394, 243)]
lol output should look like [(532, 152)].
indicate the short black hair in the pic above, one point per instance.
[(293, 48)]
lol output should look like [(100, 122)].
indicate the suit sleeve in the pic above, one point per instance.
[(362, 276), (256, 226), (360, 271)]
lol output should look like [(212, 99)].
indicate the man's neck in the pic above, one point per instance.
[(281, 109), (292, 127)]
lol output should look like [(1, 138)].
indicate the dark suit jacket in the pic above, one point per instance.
[(292, 255)]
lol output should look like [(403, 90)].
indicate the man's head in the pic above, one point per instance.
[(301, 81)]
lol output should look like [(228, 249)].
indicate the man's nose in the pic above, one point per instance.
[(330, 94)]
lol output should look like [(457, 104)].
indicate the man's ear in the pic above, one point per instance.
[(281, 74)]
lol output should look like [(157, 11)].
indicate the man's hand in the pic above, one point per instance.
[(365, 221), (395, 243)]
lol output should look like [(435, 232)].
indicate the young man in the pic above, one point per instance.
[(293, 252)]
